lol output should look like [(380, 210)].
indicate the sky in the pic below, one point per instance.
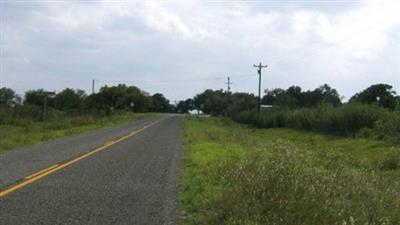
[(181, 48)]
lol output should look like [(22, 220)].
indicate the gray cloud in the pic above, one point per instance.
[(54, 45)]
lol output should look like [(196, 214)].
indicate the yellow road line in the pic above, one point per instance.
[(41, 171), (109, 143), (45, 172)]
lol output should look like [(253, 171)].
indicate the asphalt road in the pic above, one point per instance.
[(99, 177)]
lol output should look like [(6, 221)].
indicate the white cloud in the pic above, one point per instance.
[(151, 40), (363, 32), (160, 19)]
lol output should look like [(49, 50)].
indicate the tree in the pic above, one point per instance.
[(69, 99), (326, 95), (7, 96), (294, 97), (160, 104), (36, 97), (271, 96), (380, 94), (212, 102), (219, 102), (137, 100), (238, 102), (185, 106), (120, 97)]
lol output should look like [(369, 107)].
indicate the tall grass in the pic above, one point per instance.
[(24, 125), (234, 174), (347, 120)]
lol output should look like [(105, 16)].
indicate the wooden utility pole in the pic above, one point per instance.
[(46, 94), (259, 68), (229, 85), (93, 86)]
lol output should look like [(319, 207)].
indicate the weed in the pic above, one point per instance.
[(17, 132), (233, 174)]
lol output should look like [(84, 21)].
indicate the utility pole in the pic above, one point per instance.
[(229, 84), (259, 68), (93, 86), (47, 94)]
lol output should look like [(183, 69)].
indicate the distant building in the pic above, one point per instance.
[(195, 112), (267, 106)]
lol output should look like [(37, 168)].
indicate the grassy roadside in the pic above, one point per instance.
[(233, 174), (27, 132)]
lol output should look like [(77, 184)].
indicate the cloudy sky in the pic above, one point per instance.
[(181, 48)]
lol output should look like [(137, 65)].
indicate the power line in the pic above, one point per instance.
[(171, 81), (124, 81)]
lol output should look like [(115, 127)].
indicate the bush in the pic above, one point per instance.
[(346, 120), (301, 119), (388, 127), (390, 162), (19, 115), (351, 118), (275, 117)]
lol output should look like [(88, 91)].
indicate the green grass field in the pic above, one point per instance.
[(235, 174), (27, 132)]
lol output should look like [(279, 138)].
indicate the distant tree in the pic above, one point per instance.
[(160, 104), (294, 97), (380, 94), (117, 97), (69, 99), (36, 97), (272, 97), (218, 102), (112, 97), (212, 102), (238, 102), (327, 95), (295, 93), (185, 106), (137, 100), (7, 96)]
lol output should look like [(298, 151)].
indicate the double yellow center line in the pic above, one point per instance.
[(49, 170)]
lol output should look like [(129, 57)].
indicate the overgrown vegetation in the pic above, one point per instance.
[(43, 116), (20, 126), (373, 112), (348, 120), (233, 174)]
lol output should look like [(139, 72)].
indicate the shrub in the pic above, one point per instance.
[(346, 120), (301, 119), (353, 117), (390, 162), (388, 127)]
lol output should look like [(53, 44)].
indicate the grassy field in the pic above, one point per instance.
[(26, 132), (234, 174)]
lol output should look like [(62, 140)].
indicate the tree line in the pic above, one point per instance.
[(109, 98), (214, 102), (219, 102)]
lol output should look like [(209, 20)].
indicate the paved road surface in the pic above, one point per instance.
[(133, 181)]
